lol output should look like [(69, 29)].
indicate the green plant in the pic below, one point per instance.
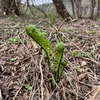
[(78, 67), (84, 54), (13, 59), (17, 39), (73, 53), (71, 83), (80, 54), (52, 19), (28, 87), (13, 40), (54, 56)]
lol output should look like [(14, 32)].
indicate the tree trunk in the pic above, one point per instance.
[(78, 8), (9, 6), (61, 10), (95, 10), (93, 3), (98, 14), (73, 6)]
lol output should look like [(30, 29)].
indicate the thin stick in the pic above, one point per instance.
[(41, 77), (17, 93), (90, 59), (12, 27)]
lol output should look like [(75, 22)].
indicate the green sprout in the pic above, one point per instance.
[(52, 19), (13, 40), (28, 87), (13, 59), (54, 56)]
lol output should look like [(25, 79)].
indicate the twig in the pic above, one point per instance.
[(41, 77), (89, 85), (90, 59), (39, 10), (89, 93), (12, 27), (57, 29), (74, 44), (94, 93), (17, 93)]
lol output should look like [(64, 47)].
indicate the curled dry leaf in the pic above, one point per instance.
[(15, 86), (81, 76), (83, 63), (33, 43), (25, 96)]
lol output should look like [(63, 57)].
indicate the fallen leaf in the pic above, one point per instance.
[(83, 63), (16, 86), (81, 76), (25, 96)]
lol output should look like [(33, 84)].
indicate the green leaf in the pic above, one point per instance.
[(44, 43), (52, 19), (78, 67), (62, 66), (54, 56), (13, 59), (71, 83), (58, 62), (74, 53), (84, 54), (13, 40), (60, 47), (28, 87), (41, 33)]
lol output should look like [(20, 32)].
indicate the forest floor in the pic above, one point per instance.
[(24, 74)]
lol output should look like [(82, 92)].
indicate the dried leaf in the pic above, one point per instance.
[(25, 96), (83, 63), (81, 76)]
